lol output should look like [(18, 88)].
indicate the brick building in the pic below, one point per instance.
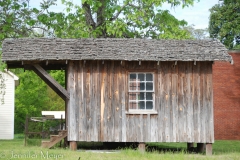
[(226, 89)]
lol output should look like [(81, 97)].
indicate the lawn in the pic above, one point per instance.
[(15, 149)]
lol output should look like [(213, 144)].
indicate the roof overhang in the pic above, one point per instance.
[(54, 53)]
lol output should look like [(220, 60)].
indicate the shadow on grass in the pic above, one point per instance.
[(155, 147), (164, 149)]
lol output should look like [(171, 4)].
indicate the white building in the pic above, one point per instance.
[(8, 81)]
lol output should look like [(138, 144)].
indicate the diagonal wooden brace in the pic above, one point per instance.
[(62, 92)]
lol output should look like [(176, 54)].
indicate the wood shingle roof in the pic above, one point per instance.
[(40, 49)]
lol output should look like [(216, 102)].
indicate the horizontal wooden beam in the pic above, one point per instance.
[(62, 92)]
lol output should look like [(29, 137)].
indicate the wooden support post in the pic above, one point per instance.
[(66, 143), (190, 146), (26, 131), (141, 147), (73, 145), (209, 149), (200, 147)]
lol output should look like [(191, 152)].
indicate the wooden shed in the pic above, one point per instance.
[(128, 90)]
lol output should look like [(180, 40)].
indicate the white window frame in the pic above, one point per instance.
[(141, 111)]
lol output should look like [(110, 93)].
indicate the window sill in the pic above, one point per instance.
[(141, 112)]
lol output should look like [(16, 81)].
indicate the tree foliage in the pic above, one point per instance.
[(197, 33), (34, 96), (224, 23), (100, 18), (112, 18)]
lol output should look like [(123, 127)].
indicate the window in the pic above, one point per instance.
[(141, 91)]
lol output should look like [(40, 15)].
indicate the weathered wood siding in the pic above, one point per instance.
[(99, 101)]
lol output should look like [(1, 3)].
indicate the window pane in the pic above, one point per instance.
[(133, 105), (142, 86), (141, 96), (133, 77), (141, 77), (133, 86), (132, 96), (149, 96), (142, 105), (149, 77), (149, 86), (149, 105)]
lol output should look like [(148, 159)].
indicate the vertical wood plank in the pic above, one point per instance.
[(210, 125), (166, 105), (108, 125), (87, 96), (148, 131), (71, 107), (174, 103), (141, 128), (123, 101), (189, 104), (154, 128), (145, 128), (107, 102), (99, 95), (103, 88), (160, 101), (196, 101), (94, 99), (128, 129), (82, 129), (116, 102), (113, 103), (170, 106), (77, 102), (185, 102), (84, 98), (181, 103), (136, 128), (203, 103)]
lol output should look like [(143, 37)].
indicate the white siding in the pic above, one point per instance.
[(7, 109)]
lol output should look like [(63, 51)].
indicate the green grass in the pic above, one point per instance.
[(221, 150)]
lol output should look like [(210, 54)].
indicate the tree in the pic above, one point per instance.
[(224, 23), (112, 18), (17, 19), (100, 18), (197, 33), (34, 96)]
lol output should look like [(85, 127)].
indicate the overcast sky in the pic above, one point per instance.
[(198, 15)]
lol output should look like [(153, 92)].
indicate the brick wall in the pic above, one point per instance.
[(226, 91)]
